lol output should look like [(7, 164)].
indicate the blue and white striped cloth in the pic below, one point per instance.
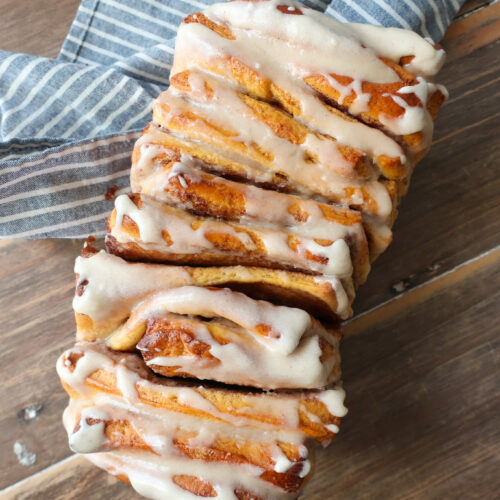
[(67, 125)]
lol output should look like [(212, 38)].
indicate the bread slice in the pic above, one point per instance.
[(142, 228), (182, 181), (218, 334), (90, 369), (108, 288)]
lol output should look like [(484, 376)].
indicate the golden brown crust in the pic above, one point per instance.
[(318, 296), (205, 194), (281, 123), (203, 489), (209, 423), (194, 485), (228, 251), (261, 87), (217, 160), (200, 18), (121, 434), (173, 336), (234, 451), (380, 102), (210, 136), (313, 415), (221, 243)]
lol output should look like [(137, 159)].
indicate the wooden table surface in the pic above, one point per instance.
[(420, 361)]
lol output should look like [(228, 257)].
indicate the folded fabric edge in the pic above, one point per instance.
[(64, 191)]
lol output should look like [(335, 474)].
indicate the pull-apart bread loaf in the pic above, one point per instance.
[(207, 359)]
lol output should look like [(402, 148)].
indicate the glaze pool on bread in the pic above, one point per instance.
[(262, 191)]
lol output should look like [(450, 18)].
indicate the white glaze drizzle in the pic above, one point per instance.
[(360, 103), (258, 368), (86, 365), (283, 408), (280, 49), (333, 399), (89, 437), (395, 43), (226, 109), (170, 462), (331, 176), (114, 285), (247, 358), (336, 49), (314, 113), (153, 218), (157, 427), (126, 382), (152, 477), (346, 49), (268, 208), (286, 65), (264, 208), (154, 138), (286, 325)]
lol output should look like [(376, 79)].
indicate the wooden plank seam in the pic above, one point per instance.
[(422, 285)]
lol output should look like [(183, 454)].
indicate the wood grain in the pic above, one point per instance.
[(35, 27), (37, 324), (422, 384), (59, 482), (420, 371), (473, 31)]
